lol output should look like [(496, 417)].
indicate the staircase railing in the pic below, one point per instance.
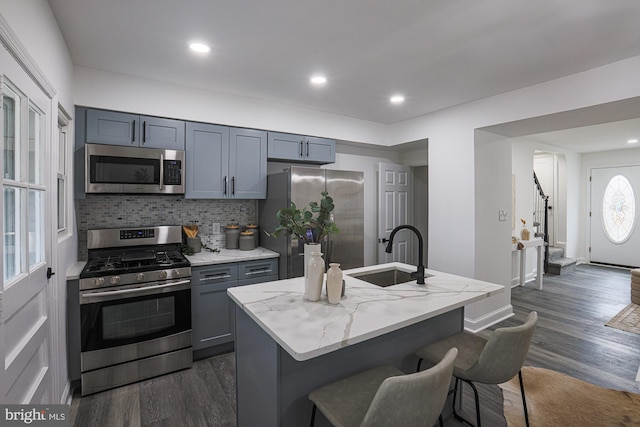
[(541, 217)]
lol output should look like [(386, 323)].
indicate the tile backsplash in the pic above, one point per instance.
[(111, 211)]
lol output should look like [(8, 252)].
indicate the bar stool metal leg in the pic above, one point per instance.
[(524, 399), (313, 416)]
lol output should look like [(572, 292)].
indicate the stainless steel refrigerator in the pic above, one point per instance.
[(303, 185)]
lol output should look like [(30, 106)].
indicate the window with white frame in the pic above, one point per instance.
[(62, 181), (23, 184)]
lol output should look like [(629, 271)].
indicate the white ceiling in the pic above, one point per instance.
[(438, 53)]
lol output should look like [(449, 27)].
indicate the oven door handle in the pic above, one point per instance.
[(92, 297)]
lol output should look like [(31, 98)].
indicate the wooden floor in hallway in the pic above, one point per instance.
[(570, 338)]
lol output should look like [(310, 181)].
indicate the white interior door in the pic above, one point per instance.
[(614, 235), (26, 229), (394, 209)]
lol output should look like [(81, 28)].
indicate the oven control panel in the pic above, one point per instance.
[(141, 233)]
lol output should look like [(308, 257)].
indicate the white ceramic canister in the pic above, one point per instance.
[(334, 283), (315, 277)]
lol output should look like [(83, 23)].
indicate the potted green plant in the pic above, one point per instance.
[(302, 224), (311, 225)]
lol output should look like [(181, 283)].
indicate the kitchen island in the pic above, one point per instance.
[(287, 346)]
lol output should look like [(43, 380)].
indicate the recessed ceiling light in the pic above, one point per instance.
[(632, 141), (199, 47), (397, 99), (318, 79)]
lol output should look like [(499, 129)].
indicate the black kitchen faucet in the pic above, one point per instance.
[(419, 274)]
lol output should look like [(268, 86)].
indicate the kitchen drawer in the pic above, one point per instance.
[(258, 269), (214, 274)]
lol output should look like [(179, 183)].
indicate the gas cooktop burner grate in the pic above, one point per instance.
[(119, 261)]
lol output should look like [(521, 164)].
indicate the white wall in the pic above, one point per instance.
[(36, 29), (93, 88), (493, 262)]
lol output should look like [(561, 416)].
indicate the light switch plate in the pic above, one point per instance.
[(215, 228), (502, 215)]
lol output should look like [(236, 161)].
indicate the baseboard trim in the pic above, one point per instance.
[(489, 319), (67, 396)]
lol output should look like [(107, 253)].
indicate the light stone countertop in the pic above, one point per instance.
[(73, 273), (229, 255), (310, 329)]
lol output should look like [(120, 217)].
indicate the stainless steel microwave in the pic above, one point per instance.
[(122, 169)]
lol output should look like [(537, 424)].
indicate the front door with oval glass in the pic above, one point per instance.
[(615, 238)]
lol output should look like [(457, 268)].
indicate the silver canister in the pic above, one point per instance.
[(232, 233), (247, 241), (256, 233)]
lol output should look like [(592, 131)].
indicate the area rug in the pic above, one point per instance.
[(627, 320), (555, 399)]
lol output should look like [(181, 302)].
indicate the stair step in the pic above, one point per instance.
[(555, 253), (561, 266)]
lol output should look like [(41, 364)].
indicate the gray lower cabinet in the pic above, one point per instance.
[(225, 163), (212, 311), (300, 148), (117, 128)]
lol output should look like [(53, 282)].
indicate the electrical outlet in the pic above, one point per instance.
[(502, 215), (215, 228)]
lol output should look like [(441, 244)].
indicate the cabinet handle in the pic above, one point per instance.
[(225, 186), (144, 132), (263, 270), (307, 148), (217, 276), (301, 145), (233, 185), (133, 132)]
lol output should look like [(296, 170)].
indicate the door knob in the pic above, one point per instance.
[(50, 273), (383, 240)]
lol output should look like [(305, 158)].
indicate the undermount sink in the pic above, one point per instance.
[(387, 277)]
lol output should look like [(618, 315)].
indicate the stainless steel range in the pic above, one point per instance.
[(135, 306)]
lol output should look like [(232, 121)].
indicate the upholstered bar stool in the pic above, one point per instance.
[(488, 361), (385, 396)]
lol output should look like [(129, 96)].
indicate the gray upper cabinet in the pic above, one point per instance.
[(116, 128), (299, 148), (248, 163), (225, 163)]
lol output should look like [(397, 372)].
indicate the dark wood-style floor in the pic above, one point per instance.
[(570, 338)]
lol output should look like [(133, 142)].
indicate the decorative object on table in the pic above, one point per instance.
[(193, 240), (524, 234), (246, 241), (334, 283), (556, 399), (232, 234), (315, 277), (256, 233), (302, 224)]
